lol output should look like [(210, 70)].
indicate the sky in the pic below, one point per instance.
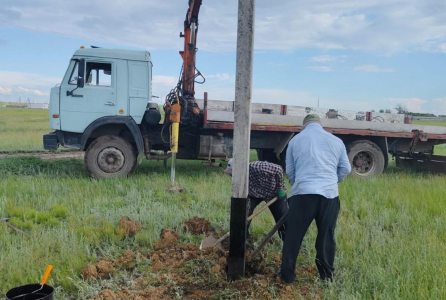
[(358, 55)]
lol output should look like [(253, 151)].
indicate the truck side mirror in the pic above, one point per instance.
[(80, 73)]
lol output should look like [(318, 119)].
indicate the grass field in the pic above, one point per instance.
[(430, 123), (22, 129), (391, 229)]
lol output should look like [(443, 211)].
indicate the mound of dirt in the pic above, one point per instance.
[(183, 271), (197, 225), (129, 227), (89, 272), (101, 269), (105, 266), (169, 238)]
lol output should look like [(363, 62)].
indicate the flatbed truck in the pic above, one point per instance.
[(104, 107)]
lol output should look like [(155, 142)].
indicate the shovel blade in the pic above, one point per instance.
[(210, 242)]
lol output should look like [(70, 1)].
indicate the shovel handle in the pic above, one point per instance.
[(262, 209), (248, 219), (270, 235), (220, 239), (46, 275)]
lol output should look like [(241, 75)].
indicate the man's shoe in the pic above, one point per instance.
[(279, 274), (286, 283)]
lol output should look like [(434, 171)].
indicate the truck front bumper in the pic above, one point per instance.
[(50, 141)]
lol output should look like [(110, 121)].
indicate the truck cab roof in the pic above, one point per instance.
[(113, 53)]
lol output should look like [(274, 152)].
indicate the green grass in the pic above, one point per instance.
[(430, 123), (390, 231), (21, 129), (440, 150)]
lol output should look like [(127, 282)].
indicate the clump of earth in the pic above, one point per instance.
[(183, 271), (197, 225), (129, 227)]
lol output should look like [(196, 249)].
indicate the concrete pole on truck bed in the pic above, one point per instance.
[(242, 135)]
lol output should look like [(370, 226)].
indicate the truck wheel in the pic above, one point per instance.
[(366, 158), (110, 156)]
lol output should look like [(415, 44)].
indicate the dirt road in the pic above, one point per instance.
[(46, 155)]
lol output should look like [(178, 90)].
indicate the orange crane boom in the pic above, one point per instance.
[(190, 49)]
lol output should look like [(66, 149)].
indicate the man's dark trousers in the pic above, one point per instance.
[(303, 209), (278, 209)]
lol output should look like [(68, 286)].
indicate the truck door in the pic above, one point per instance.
[(139, 89), (79, 107)]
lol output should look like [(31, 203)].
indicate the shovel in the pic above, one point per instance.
[(211, 241), (270, 235)]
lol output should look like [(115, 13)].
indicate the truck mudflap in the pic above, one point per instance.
[(50, 141)]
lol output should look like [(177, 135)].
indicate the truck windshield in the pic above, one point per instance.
[(73, 77)]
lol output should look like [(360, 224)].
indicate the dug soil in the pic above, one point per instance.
[(181, 271), (197, 225)]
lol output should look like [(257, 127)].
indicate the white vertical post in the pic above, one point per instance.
[(242, 135)]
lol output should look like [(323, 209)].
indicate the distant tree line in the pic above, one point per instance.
[(401, 109)]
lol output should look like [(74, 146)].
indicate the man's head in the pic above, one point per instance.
[(228, 169), (311, 118)]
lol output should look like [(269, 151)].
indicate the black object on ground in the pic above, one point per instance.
[(25, 292)]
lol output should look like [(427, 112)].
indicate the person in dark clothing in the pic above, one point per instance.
[(316, 161), (266, 182)]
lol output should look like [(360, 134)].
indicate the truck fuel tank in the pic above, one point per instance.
[(215, 147), (152, 116)]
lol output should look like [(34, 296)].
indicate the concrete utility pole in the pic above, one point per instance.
[(242, 136)]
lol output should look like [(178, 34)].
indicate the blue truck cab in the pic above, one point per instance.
[(105, 94)]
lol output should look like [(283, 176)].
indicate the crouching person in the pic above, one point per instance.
[(265, 183)]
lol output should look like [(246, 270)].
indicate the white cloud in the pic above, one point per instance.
[(373, 69), (376, 25), (274, 96), (324, 58), (28, 80), (33, 92), (219, 77), (36, 87), (440, 106), (164, 81), (320, 68), (440, 100), (5, 91), (412, 104)]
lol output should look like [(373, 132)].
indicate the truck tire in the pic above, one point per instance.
[(366, 159), (110, 156)]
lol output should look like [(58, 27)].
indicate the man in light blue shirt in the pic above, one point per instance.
[(316, 161)]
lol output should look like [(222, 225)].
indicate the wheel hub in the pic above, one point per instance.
[(364, 163), (111, 160)]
